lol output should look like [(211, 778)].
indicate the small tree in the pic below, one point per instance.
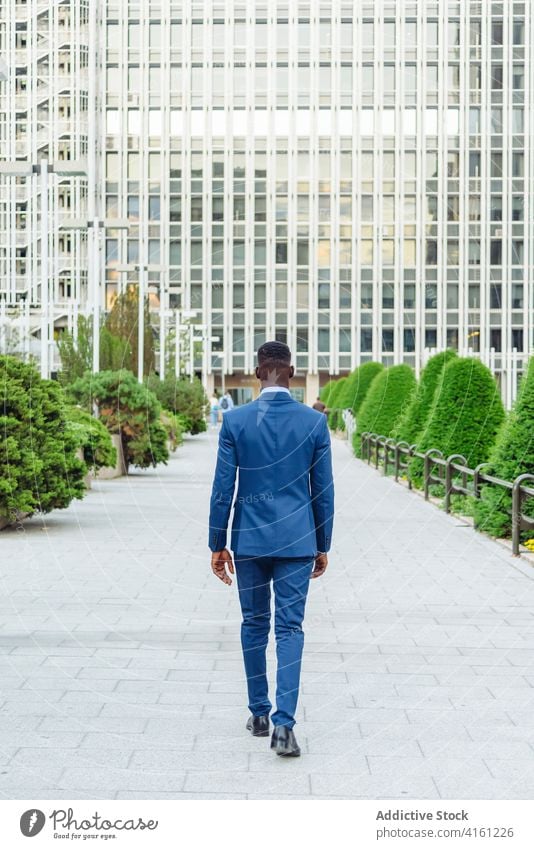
[(384, 403), (115, 351), (413, 421), (334, 416), (512, 455), (76, 354), (39, 469), (465, 415), (93, 438), (122, 322), (357, 385), (184, 398), (127, 408)]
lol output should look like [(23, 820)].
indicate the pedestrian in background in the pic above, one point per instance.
[(226, 403), (319, 406), (214, 409)]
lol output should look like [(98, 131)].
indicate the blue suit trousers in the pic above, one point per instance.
[(290, 579)]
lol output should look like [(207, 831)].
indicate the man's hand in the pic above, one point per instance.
[(220, 562), (321, 562)]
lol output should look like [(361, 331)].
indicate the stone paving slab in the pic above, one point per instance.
[(122, 673)]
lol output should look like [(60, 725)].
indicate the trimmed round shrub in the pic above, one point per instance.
[(128, 408), (334, 414), (93, 438), (384, 403), (465, 416), (414, 419), (357, 385), (39, 469), (512, 455), (326, 391)]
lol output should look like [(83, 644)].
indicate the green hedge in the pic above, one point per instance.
[(413, 421), (384, 403), (128, 408), (465, 416), (512, 455), (39, 469), (326, 391), (93, 438), (357, 385)]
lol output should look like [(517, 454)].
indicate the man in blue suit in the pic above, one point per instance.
[(281, 531)]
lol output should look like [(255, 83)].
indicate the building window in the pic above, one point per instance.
[(387, 340), (366, 339), (409, 339)]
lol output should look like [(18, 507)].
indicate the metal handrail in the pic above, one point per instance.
[(453, 473)]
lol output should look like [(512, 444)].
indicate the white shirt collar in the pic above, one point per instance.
[(275, 389)]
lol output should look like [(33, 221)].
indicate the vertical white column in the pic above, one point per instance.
[(3, 327), (45, 297), (177, 347), (162, 331), (93, 233), (191, 352), (141, 324)]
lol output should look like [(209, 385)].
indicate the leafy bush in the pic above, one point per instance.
[(415, 417), (184, 398), (128, 408), (39, 469), (465, 415), (93, 438), (512, 455), (384, 403), (357, 385), (334, 415), (173, 428)]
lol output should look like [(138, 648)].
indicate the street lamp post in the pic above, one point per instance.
[(205, 338), (183, 314)]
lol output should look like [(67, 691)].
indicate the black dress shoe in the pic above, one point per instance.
[(284, 742), (258, 725)]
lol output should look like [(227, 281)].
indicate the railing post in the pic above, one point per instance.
[(448, 478), (476, 479), (397, 454), (363, 442), (413, 449), (378, 443), (389, 445), (516, 510), (516, 516), (426, 466)]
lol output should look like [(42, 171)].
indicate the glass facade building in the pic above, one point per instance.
[(356, 179)]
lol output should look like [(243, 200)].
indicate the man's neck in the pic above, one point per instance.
[(267, 385)]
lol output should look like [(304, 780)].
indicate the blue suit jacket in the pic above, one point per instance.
[(284, 506)]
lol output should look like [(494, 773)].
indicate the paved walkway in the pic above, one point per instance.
[(121, 672)]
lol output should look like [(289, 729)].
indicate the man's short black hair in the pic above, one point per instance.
[(275, 352)]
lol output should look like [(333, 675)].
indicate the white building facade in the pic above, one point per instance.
[(356, 179)]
